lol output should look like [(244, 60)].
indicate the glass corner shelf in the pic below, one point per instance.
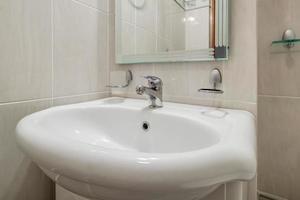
[(287, 43)]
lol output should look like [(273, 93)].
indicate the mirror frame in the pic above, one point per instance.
[(219, 41)]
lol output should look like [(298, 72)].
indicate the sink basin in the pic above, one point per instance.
[(119, 149)]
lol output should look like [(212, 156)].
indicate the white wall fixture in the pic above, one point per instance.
[(139, 4), (119, 149), (215, 79)]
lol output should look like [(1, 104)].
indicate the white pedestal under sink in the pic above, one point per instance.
[(230, 191)]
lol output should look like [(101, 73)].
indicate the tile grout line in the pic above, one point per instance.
[(81, 95), (51, 99), (109, 51), (52, 52), (279, 97), (225, 191), (156, 26), (25, 101), (135, 30)]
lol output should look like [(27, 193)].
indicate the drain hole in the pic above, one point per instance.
[(146, 126)]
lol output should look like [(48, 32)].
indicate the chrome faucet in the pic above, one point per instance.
[(153, 92)]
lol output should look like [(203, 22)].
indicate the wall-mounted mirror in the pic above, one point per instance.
[(171, 30)]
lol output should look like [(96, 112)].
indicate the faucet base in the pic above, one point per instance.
[(155, 102), (154, 106)]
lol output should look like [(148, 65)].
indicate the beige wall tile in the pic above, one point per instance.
[(278, 68), (240, 72), (80, 49), (278, 146), (79, 98), (295, 5), (174, 76), (111, 46), (20, 178), (278, 76), (25, 53)]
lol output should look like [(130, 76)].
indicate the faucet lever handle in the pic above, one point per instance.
[(153, 81)]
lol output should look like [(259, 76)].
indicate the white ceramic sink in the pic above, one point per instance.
[(100, 150)]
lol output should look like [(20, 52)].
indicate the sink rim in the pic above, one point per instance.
[(43, 115), (186, 162)]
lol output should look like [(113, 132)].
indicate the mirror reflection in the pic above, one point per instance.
[(158, 28)]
